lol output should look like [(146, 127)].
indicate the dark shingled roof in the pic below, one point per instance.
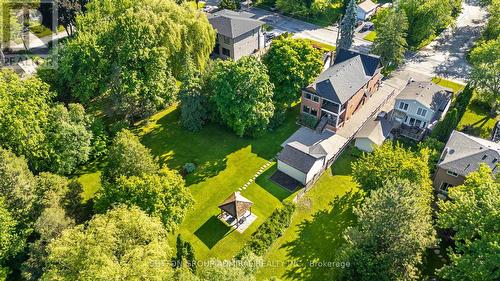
[(233, 24), (297, 158), (236, 205), (350, 72)]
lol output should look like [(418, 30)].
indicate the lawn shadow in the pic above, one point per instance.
[(212, 231), (342, 166), (208, 148), (265, 182), (321, 240)]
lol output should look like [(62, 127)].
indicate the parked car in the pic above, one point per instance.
[(358, 23), (367, 26), (210, 9)]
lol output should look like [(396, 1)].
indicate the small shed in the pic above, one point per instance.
[(236, 206)]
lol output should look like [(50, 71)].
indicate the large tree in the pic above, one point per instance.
[(127, 156), (347, 26), (131, 53), (193, 104), (485, 76), (392, 161), (67, 11), (234, 5), (292, 64), (390, 43), (124, 244), (11, 242), (242, 94), (163, 195), (472, 214), (394, 229)]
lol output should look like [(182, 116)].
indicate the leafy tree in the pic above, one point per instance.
[(67, 10), (242, 95), (443, 129), (128, 157), (193, 103), (389, 162), (216, 270), (493, 27), (435, 148), (11, 243), (184, 254), (390, 43), (131, 53), (124, 243), (485, 76), (347, 26), (394, 229), (472, 214), (292, 64), (234, 5), (162, 195)]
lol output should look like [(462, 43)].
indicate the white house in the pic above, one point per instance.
[(365, 9), (421, 105)]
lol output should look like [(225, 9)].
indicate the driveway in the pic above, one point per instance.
[(446, 56)]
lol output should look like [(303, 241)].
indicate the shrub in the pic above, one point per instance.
[(308, 120), (189, 168), (270, 230)]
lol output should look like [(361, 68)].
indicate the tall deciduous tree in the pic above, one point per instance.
[(128, 157), (132, 52), (162, 195), (347, 26), (389, 162), (11, 242), (472, 214), (242, 94), (485, 75), (394, 229), (67, 10), (124, 243), (292, 64), (390, 43)]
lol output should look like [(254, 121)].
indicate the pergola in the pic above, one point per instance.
[(236, 206)]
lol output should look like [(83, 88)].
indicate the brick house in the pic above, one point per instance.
[(342, 89)]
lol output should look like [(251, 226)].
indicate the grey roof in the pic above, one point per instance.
[(233, 24), (429, 94), (464, 153), (367, 6), (341, 81), (307, 136), (376, 129), (298, 158)]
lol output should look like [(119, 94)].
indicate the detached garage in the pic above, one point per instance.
[(299, 164), (374, 132)]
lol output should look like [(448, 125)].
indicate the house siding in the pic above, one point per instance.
[(247, 43), (441, 176), (412, 111), (316, 168), (292, 172)]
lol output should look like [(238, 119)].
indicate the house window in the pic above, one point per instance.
[(306, 109), (403, 106), (227, 40), (226, 52), (444, 187), (418, 123), (314, 112), (452, 173), (315, 98), (422, 112), (308, 96)]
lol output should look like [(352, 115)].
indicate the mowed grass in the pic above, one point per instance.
[(224, 163), (456, 87), (320, 45), (310, 249), (370, 36), (477, 120)]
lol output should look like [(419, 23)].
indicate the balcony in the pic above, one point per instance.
[(330, 106)]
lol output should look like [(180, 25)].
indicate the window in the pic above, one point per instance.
[(316, 98), (308, 96), (314, 112), (422, 112), (484, 157), (403, 106), (226, 52), (418, 123), (306, 109), (227, 40), (452, 173), (444, 187)]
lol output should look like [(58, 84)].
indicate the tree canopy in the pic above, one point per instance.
[(394, 229), (242, 95), (485, 76), (292, 64), (472, 214), (124, 243), (390, 43), (347, 26), (130, 53)]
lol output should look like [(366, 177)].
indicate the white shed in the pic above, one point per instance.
[(366, 9)]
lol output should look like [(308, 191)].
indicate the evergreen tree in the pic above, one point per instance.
[(390, 43), (347, 26)]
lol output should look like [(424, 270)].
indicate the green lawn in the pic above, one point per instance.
[(371, 36), (224, 163), (477, 120), (316, 233), (456, 87), (320, 45), (42, 31)]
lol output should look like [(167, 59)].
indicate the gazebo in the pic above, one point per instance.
[(236, 206)]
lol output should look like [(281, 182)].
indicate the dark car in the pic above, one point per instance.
[(367, 26)]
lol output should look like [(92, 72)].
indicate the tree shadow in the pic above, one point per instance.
[(342, 166), (208, 148), (317, 253), (212, 231)]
